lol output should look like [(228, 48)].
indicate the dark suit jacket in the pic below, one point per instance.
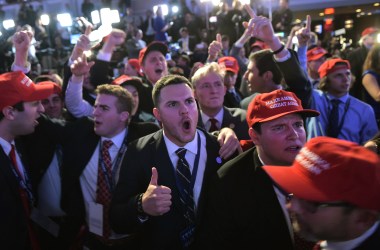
[(78, 141), (13, 226), (235, 119), (242, 210), (159, 232), (356, 59), (192, 43), (230, 100), (372, 242)]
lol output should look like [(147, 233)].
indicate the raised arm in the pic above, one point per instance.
[(21, 41), (74, 97), (287, 60)]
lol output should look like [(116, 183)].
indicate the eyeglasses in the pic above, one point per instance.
[(312, 207)]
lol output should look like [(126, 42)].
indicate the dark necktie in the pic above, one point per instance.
[(184, 176), (25, 202), (103, 192), (333, 127), (213, 126), (237, 97)]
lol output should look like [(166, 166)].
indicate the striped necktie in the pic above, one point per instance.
[(184, 176)]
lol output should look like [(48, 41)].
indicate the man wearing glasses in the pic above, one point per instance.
[(335, 198)]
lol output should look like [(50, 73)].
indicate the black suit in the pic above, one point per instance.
[(230, 100), (159, 232), (78, 141), (191, 43), (235, 119), (242, 210), (14, 223)]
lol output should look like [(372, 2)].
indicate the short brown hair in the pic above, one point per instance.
[(166, 81), (124, 98)]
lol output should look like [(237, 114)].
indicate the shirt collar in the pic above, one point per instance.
[(117, 139), (191, 146), (342, 98), (6, 145), (350, 244), (218, 116)]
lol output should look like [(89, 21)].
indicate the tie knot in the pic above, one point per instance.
[(335, 102), (213, 121), (107, 144), (181, 152)]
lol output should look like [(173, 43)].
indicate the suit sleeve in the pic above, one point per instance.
[(133, 180), (296, 79)]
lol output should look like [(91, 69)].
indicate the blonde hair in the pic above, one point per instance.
[(206, 70)]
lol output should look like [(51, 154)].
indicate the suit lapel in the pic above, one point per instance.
[(165, 167), (268, 198), (200, 121), (211, 167), (228, 119), (5, 169)]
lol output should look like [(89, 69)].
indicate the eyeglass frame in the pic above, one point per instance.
[(312, 206)]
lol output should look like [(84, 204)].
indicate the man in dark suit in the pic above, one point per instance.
[(20, 105), (209, 91), (186, 42), (151, 196), (233, 96), (244, 208), (335, 198)]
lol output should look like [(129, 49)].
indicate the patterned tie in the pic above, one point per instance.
[(333, 127), (103, 192), (184, 176), (213, 126)]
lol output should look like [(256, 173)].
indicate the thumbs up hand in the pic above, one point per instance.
[(156, 199), (214, 48)]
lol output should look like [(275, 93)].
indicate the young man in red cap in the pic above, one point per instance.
[(244, 207), (334, 194), (343, 116), (232, 97), (315, 57), (357, 58), (153, 64), (20, 105), (132, 68)]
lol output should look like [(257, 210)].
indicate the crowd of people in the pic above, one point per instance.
[(198, 147)]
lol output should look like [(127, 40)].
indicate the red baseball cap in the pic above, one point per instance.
[(329, 67), (57, 88), (316, 53), (230, 63), (125, 80), (135, 64), (153, 46), (329, 169), (259, 44), (369, 31), (16, 87), (269, 106)]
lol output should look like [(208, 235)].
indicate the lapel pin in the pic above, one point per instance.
[(218, 160)]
